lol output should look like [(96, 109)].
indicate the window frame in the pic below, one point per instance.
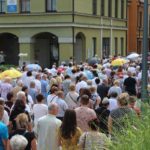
[(102, 7), (46, 7), (2, 2), (94, 7), (109, 8), (21, 8)]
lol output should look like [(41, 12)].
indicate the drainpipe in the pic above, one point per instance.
[(144, 91), (73, 30)]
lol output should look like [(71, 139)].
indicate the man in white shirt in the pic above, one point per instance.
[(38, 82), (81, 84), (47, 129), (113, 101), (39, 109)]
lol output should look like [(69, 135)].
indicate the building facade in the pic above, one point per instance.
[(48, 31), (136, 25)]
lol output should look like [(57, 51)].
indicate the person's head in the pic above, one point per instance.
[(132, 101), (18, 142), (116, 82), (67, 77), (32, 84), (93, 89), (38, 76), (123, 99), (7, 80), (53, 109), (53, 90), (113, 95), (10, 96), (21, 96), (22, 121), (29, 74), (86, 91), (97, 81), (2, 101), (72, 87), (39, 98), (94, 124), (44, 76), (69, 124), (20, 83), (84, 100), (89, 82), (25, 89), (19, 105), (60, 94), (105, 102), (1, 111), (83, 78), (129, 73)]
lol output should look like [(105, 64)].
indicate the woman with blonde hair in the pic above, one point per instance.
[(71, 97), (115, 88), (22, 123)]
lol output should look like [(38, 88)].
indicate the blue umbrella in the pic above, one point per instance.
[(33, 67)]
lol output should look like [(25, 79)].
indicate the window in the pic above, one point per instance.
[(122, 9), (102, 7), (94, 7), (109, 8), (116, 8), (94, 46), (2, 6), (122, 46), (116, 46), (50, 5), (25, 5), (106, 47)]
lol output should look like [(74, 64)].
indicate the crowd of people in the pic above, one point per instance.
[(70, 107)]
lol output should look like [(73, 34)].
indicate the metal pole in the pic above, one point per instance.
[(145, 53)]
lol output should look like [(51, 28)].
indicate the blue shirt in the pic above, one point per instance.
[(3, 134), (44, 85)]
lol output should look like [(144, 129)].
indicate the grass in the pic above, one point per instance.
[(136, 136)]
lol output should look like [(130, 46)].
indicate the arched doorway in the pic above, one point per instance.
[(45, 49), (9, 49), (79, 51)]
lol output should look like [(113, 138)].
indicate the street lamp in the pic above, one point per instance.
[(144, 91)]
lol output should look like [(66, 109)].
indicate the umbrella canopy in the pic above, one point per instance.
[(92, 61), (33, 67), (12, 73), (118, 62), (133, 56)]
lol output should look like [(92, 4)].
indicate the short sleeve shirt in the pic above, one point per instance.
[(3, 134)]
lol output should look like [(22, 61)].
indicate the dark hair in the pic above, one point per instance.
[(39, 97), (114, 94), (29, 73), (24, 88), (84, 99), (19, 106), (86, 91), (53, 89), (69, 124), (9, 96), (94, 124), (97, 80), (67, 77)]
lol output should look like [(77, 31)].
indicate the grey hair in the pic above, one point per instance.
[(18, 142), (52, 106), (20, 94)]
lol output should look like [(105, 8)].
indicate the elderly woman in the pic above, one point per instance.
[(116, 120), (18, 142), (71, 97), (22, 123), (115, 88), (93, 139)]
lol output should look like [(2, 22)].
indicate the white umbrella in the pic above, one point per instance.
[(34, 67), (133, 56)]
